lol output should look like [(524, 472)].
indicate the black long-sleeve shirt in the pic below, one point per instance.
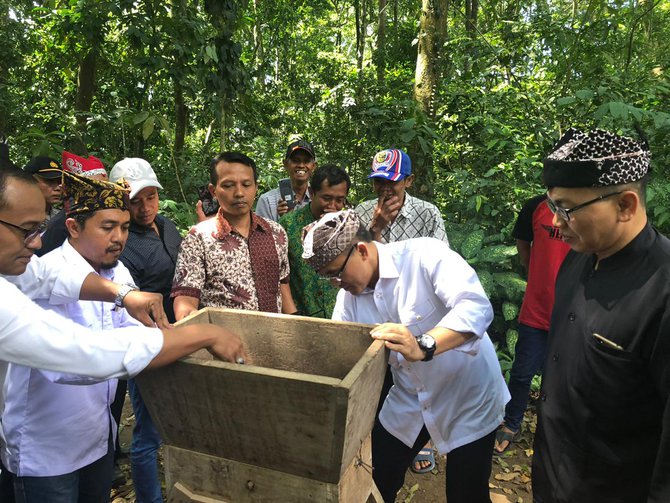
[(151, 258), (604, 416)]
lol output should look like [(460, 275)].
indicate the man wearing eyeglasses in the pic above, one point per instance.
[(433, 315), (604, 412)]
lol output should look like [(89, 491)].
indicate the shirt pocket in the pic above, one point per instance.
[(419, 318), (617, 379)]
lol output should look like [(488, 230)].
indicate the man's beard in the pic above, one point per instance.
[(109, 265)]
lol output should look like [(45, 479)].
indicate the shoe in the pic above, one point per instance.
[(503, 435), (425, 454)]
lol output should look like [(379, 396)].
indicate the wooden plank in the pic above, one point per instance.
[(241, 483), (356, 482), (273, 419), (297, 343), (364, 384), (182, 494)]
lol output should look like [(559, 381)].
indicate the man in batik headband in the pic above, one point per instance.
[(55, 429), (604, 415), (433, 315)]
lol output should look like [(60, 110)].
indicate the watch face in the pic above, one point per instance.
[(427, 342)]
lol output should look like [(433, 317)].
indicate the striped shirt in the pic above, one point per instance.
[(417, 218)]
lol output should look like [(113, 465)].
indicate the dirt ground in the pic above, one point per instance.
[(510, 477)]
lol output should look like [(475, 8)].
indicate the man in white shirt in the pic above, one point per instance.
[(59, 436), (31, 336), (433, 316)]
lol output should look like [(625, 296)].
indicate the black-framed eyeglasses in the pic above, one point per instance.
[(564, 213), (337, 276), (28, 234)]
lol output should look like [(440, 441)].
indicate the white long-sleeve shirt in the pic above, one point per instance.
[(52, 428), (460, 395), (32, 336)]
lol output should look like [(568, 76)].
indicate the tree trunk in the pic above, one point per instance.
[(85, 92), (223, 138), (381, 42), (432, 35), (258, 37), (181, 119)]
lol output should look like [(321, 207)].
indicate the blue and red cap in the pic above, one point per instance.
[(392, 164)]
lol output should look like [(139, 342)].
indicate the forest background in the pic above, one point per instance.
[(477, 91)]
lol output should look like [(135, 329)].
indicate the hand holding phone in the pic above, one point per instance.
[(209, 204), (286, 192)]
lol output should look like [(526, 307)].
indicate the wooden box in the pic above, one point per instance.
[(303, 408)]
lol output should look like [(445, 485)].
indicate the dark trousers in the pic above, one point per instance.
[(116, 408), (6, 486), (90, 484), (468, 467), (529, 354)]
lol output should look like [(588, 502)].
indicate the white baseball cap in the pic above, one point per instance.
[(137, 172)]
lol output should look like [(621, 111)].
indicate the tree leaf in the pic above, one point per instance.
[(148, 127)]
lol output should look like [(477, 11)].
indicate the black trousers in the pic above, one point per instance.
[(468, 467), (116, 408)]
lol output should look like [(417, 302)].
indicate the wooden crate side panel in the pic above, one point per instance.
[(227, 480), (297, 343), (364, 383), (356, 482), (255, 416)]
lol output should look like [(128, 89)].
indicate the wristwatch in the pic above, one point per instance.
[(124, 290), (426, 343)]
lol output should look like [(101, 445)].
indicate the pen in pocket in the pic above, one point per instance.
[(606, 342)]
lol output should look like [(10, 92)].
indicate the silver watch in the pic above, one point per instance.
[(124, 290)]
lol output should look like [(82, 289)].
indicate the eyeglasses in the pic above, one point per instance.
[(28, 234), (337, 276), (565, 213)]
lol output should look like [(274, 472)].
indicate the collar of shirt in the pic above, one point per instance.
[(637, 247), (142, 229), (74, 258), (223, 227), (406, 208), (387, 267)]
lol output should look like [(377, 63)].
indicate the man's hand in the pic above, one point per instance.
[(146, 308), (398, 338), (385, 213), (282, 207), (199, 212), (227, 346)]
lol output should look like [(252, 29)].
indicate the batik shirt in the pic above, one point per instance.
[(313, 294), (416, 219), (221, 268)]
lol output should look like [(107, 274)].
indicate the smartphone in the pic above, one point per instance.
[(209, 204), (286, 192)]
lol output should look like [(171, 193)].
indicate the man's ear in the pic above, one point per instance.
[(211, 188), (628, 205), (363, 249), (72, 227), (409, 181)]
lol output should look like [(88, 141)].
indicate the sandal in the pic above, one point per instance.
[(503, 435), (425, 454)]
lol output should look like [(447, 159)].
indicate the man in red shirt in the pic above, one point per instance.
[(541, 251)]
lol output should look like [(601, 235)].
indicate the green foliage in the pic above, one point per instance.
[(182, 214), (175, 82)]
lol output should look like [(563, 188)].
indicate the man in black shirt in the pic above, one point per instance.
[(604, 416), (150, 256)]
